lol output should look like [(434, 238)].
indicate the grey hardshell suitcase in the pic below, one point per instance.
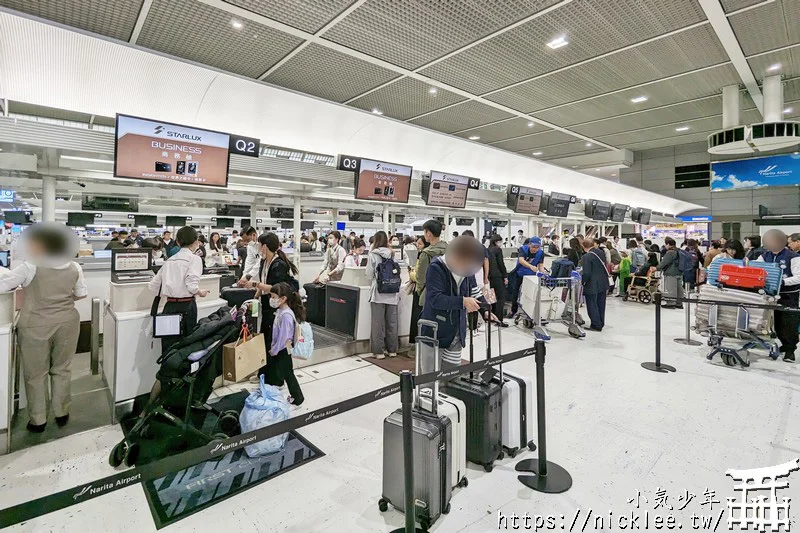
[(432, 445)]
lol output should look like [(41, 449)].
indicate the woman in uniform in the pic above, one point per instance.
[(49, 325), (333, 265)]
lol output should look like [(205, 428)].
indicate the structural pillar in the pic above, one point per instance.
[(393, 226), (773, 99), (334, 217), (476, 228), (254, 214), (297, 231), (385, 218), (730, 106), (583, 228), (48, 199), (559, 229)]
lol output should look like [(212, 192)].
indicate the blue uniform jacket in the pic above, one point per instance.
[(444, 302)]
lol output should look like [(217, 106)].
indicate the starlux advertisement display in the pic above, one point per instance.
[(384, 182), (447, 190), (160, 151), (774, 171)]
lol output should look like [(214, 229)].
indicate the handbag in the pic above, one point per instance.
[(244, 357), (165, 324)]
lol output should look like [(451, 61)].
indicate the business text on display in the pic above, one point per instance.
[(384, 182)]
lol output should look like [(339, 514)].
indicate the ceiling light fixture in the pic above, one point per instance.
[(682, 128), (538, 153), (597, 170), (433, 90), (474, 137), (237, 24), (787, 110), (558, 42), (588, 145), (376, 111), (639, 99), (613, 175), (774, 67), (530, 124)]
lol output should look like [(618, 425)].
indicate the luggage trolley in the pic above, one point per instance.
[(531, 307), (729, 355)]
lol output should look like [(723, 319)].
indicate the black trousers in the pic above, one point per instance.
[(189, 312), (786, 323), (596, 309), (416, 310), (498, 308), (280, 370)]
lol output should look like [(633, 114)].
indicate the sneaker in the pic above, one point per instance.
[(789, 357), (392, 354), (294, 402), (379, 356)]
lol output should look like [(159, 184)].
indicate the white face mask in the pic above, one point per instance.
[(274, 303), (331, 242)]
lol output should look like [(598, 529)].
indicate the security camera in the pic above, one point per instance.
[(83, 185)]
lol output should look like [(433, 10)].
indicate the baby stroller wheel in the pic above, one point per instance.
[(728, 359), (644, 296), (527, 323), (118, 453), (229, 423), (383, 505), (132, 455)]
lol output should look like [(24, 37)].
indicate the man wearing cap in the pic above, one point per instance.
[(529, 262)]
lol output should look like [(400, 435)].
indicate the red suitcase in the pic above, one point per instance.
[(742, 277)]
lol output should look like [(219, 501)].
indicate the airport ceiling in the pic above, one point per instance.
[(634, 73)]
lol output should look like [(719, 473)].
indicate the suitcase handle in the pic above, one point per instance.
[(428, 341)]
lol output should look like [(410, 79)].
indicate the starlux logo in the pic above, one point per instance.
[(158, 129)]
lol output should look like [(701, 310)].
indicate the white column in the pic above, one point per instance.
[(334, 217), (393, 226), (476, 228), (559, 229), (254, 214), (730, 106), (48, 199), (773, 99), (619, 231), (297, 231), (385, 218), (583, 228)]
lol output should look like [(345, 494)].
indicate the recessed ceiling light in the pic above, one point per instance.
[(237, 24), (787, 110), (558, 42), (538, 153), (474, 137), (639, 99), (597, 170), (682, 128), (774, 67), (613, 175), (376, 111), (531, 124), (588, 145), (433, 90)]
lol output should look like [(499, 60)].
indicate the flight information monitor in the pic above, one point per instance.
[(597, 209), (618, 212), (448, 190), (558, 206), (161, 151), (524, 200), (80, 219), (383, 182), (644, 216)]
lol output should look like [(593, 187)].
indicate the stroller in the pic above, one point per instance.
[(187, 374)]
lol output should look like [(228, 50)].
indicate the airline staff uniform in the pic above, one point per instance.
[(252, 263), (786, 323), (47, 331), (334, 262), (178, 281)]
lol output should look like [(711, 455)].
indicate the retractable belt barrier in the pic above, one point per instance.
[(139, 474), (730, 304)]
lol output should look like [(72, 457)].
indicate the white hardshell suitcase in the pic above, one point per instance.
[(454, 409), (518, 414)]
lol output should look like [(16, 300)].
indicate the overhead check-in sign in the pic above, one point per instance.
[(348, 163), (248, 146)]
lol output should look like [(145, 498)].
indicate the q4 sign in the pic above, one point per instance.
[(244, 145)]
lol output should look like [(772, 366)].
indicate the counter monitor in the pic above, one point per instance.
[(17, 217), (597, 209), (524, 200), (161, 151), (644, 216), (148, 221), (127, 260), (618, 212), (384, 182), (447, 190), (558, 205), (5, 259), (174, 221), (80, 219), (223, 223)]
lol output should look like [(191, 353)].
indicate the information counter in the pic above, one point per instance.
[(129, 350)]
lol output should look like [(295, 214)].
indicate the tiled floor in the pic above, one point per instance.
[(617, 428)]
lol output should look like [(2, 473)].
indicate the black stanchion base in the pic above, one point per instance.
[(403, 530), (687, 342), (663, 369), (556, 481)]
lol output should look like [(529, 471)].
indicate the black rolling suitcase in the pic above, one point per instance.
[(236, 296), (484, 411), (315, 303), (432, 445)]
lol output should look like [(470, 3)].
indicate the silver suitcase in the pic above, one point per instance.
[(733, 321), (432, 445)]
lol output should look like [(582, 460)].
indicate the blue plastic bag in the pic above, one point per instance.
[(262, 408), (304, 342)]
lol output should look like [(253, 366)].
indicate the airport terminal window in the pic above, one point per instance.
[(693, 176), (732, 230)]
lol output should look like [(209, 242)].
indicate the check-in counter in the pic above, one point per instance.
[(7, 313), (97, 273), (129, 350)]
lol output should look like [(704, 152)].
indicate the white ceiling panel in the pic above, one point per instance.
[(504, 129), (307, 15), (767, 27), (406, 98)]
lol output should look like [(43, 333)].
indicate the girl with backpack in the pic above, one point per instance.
[(289, 311), (383, 297)]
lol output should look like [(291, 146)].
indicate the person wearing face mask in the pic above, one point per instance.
[(450, 293), (289, 311), (333, 265), (353, 258), (275, 268), (155, 247), (786, 322), (383, 338), (252, 260)]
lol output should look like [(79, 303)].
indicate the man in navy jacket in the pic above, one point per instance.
[(451, 293), (594, 277), (786, 323)]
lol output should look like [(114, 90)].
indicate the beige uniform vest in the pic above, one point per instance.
[(48, 298)]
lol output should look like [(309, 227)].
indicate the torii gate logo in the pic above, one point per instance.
[(761, 513)]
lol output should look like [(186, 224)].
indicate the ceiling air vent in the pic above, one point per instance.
[(775, 135), (730, 141)]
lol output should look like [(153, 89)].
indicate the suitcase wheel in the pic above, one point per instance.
[(383, 505), (424, 524), (531, 446), (527, 323), (728, 359), (463, 482), (512, 452), (447, 509), (501, 456), (488, 467)]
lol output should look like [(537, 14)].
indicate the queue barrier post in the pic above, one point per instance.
[(687, 340), (657, 366), (406, 401), (548, 477)]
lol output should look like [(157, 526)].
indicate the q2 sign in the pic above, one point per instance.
[(244, 145)]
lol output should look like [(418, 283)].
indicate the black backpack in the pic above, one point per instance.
[(387, 275)]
